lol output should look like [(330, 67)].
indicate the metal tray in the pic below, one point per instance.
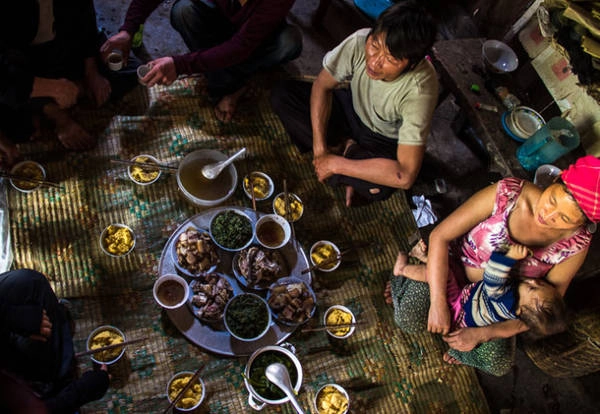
[(205, 336)]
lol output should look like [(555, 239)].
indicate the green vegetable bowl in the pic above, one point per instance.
[(247, 317), (231, 229)]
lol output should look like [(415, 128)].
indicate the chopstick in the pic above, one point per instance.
[(107, 347), (332, 327), (287, 210), (252, 190), (162, 167), (184, 389), (30, 180), (332, 259)]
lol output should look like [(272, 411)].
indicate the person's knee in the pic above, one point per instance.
[(289, 44), (181, 13)]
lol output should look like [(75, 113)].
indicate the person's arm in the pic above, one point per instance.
[(563, 273), (63, 91), (464, 218), (465, 339), (320, 110)]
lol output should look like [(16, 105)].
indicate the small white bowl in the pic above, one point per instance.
[(106, 239), (176, 392), (114, 355), (329, 246), (136, 173), (498, 57), (29, 169), (261, 181), (296, 206), (344, 309), (334, 388), (273, 231), (235, 301), (171, 291)]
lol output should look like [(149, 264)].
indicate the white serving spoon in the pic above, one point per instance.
[(278, 374), (211, 171)]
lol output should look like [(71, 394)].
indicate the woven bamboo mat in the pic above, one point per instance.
[(57, 232)]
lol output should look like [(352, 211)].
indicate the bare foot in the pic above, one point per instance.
[(401, 262), (349, 143), (349, 195), (419, 251), (450, 359), (387, 293), (69, 132), (226, 107)]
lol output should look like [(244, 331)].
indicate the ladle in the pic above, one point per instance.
[(211, 171), (278, 374)]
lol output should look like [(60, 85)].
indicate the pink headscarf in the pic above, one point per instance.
[(583, 181)]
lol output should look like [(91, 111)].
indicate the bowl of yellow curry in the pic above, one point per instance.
[(146, 171), (259, 183), (325, 255), (332, 399), (32, 171), (291, 210), (117, 240), (193, 396), (102, 336), (339, 315)]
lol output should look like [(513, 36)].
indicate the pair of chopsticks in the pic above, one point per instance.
[(184, 389), (107, 347), (334, 259), (287, 210), (333, 327), (162, 167), (32, 180)]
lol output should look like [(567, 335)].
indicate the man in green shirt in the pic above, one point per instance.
[(370, 137)]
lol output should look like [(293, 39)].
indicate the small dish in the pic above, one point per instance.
[(209, 296), (525, 121), (143, 175), (262, 184), (332, 399), (295, 203), (195, 253), (102, 336), (27, 169), (273, 231), (257, 268), (171, 291), (322, 251), (339, 315), (231, 229), (292, 301), (117, 240), (247, 317), (192, 398)]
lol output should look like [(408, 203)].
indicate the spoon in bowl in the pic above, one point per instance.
[(211, 171), (278, 374)]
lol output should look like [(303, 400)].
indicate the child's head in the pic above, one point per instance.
[(541, 307)]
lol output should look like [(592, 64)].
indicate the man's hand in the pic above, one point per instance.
[(162, 72), (45, 329), (121, 41), (324, 165), (463, 339), (97, 88)]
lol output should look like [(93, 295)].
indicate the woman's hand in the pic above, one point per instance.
[(45, 329), (439, 319), (463, 339), (162, 72)]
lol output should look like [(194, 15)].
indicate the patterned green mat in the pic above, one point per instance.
[(57, 231)]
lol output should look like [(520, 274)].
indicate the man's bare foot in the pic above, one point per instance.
[(387, 293), (226, 107), (349, 143), (419, 251), (401, 262), (450, 359), (69, 132)]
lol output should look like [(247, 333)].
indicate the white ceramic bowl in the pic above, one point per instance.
[(192, 183), (333, 321), (499, 57), (236, 302), (273, 231), (262, 181), (171, 291), (217, 237), (29, 169), (136, 173), (328, 247), (106, 239), (296, 206), (109, 356), (170, 397), (326, 389)]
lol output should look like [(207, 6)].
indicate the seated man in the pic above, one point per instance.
[(48, 59), (229, 41), (381, 123), (36, 346)]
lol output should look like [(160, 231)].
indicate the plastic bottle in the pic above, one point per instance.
[(509, 100)]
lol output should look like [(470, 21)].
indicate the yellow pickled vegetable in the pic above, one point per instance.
[(192, 395), (118, 240), (296, 207), (105, 338), (260, 186), (331, 401), (144, 174), (338, 317), (322, 253)]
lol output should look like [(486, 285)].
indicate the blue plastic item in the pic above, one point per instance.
[(373, 8), (507, 129)]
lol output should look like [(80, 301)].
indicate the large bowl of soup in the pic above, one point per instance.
[(200, 190), (262, 391)]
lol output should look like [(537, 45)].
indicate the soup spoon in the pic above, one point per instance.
[(278, 374), (211, 171)]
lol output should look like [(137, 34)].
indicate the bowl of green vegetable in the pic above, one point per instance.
[(261, 391), (231, 229), (247, 317)]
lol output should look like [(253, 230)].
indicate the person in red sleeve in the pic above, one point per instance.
[(229, 40)]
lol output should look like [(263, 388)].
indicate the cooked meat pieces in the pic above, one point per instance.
[(292, 303), (261, 267), (195, 251), (211, 294)]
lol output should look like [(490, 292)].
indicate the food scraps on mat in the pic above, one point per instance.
[(192, 395), (292, 303), (247, 316), (330, 400), (210, 295), (144, 174), (265, 388), (196, 251), (260, 267), (231, 230), (118, 240), (105, 338), (339, 317), (296, 206)]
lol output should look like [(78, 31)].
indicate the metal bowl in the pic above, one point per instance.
[(326, 246), (106, 240), (331, 332), (266, 184), (28, 169), (137, 173), (109, 356), (234, 303), (332, 388), (172, 394)]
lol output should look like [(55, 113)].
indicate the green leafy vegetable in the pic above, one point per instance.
[(258, 379), (231, 230)]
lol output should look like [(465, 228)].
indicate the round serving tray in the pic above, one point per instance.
[(205, 336)]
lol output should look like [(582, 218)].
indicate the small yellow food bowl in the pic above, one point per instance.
[(194, 395), (339, 315), (103, 336), (295, 203), (117, 240), (27, 169), (325, 252), (261, 183), (332, 399), (144, 175)]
